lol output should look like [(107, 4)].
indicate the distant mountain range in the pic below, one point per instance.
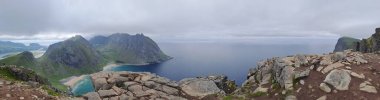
[(76, 56), (8, 47)]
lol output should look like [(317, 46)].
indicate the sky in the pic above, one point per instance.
[(188, 20)]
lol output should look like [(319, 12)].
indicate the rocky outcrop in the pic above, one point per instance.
[(296, 76), (145, 85)]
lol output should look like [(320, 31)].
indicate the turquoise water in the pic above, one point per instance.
[(83, 86)]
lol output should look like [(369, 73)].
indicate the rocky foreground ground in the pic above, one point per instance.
[(337, 76)]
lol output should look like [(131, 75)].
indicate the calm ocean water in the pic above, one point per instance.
[(230, 59)]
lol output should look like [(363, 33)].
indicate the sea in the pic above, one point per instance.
[(230, 58)]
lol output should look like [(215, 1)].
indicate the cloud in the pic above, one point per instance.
[(57, 19)]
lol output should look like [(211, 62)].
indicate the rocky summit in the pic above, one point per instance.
[(336, 76), (145, 86)]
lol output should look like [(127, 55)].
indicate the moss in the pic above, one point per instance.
[(7, 74), (50, 91), (232, 97), (257, 94)]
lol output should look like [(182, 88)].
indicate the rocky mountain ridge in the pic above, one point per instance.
[(339, 75)]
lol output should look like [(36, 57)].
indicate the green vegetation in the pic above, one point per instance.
[(345, 43), (232, 97), (50, 91), (7, 74), (257, 94)]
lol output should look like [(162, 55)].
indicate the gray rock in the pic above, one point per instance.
[(338, 78), (107, 93), (361, 76), (322, 97), (170, 90), (286, 77), (366, 87), (92, 96), (324, 87), (116, 79), (99, 75), (125, 97), (99, 82), (118, 90), (199, 88), (331, 67), (290, 97), (301, 74), (260, 89), (129, 83), (337, 56)]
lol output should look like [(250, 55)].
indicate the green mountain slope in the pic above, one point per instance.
[(345, 43), (130, 49)]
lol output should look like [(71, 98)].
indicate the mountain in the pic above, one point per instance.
[(21, 59), (130, 49), (75, 52), (345, 43), (7, 47)]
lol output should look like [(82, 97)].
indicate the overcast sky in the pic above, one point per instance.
[(188, 19)]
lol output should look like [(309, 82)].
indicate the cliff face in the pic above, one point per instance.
[(345, 43), (371, 44), (131, 49)]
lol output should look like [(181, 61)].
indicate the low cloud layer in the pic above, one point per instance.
[(188, 19)]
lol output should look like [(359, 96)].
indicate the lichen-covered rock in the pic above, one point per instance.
[(338, 78), (199, 88)]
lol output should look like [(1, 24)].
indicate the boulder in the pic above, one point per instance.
[(260, 89), (322, 97), (338, 78), (286, 78), (99, 82), (331, 67), (366, 87), (290, 97), (170, 90), (301, 74), (199, 88), (107, 93), (361, 76), (92, 96)]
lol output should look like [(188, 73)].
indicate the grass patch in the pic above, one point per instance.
[(6, 74), (232, 97), (50, 91), (257, 94)]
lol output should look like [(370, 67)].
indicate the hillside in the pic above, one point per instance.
[(345, 43), (130, 49)]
